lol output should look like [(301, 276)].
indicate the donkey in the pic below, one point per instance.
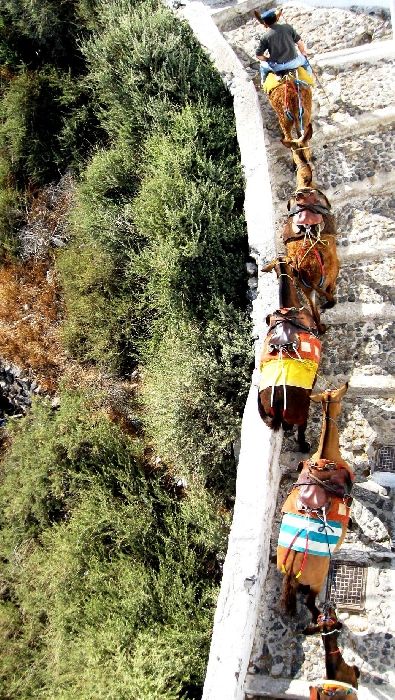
[(302, 158), (309, 236), (289, 360), (292, 103), (336, 668), (326, 690), (316, 514)]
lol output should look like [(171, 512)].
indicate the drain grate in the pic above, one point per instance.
[(347, 587), (385, 459)]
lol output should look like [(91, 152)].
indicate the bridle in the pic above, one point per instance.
[(326, 412)]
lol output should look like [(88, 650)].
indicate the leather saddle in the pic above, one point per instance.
[(320, 481), (285, 328)]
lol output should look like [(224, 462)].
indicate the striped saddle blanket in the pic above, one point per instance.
[(315, 536)]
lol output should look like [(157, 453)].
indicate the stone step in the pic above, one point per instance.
[(358, 311), (344, 124), (369, 191), (344, 162), (360, 383), (374, 250), (364, 217), (260, 686), (366, 53), (350, 90)]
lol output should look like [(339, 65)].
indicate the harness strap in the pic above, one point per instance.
[(283, 569), (279, 321), (314, 208)]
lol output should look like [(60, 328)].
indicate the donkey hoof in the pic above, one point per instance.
[(304, 447)]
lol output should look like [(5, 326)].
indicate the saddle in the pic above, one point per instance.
[(285, 328), (319, 482)]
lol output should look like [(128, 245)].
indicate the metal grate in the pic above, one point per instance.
[(347, 585), (385, 459)]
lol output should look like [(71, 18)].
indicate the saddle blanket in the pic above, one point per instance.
[(309, 348), (322, 539), (288, 372), (272, 80)]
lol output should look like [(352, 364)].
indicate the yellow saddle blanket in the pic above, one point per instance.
[(272, 80), (288, 372)]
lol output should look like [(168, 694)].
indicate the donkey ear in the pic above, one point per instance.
[(267, 319), (258, 17), (317, 398), (269, 267), (307, 134)]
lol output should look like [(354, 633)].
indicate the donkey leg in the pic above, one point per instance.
[(329, 293), (311, 605), (304, 446), (288, 594), (311, 296)]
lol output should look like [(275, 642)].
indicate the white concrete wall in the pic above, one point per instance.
[(258, 470)]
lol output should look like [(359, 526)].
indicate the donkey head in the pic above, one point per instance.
[(301, 154), (331, 400), (307, 207)]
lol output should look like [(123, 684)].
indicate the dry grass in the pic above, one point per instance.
[(30, 315), (47, 219)]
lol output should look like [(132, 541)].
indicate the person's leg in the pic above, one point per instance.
[(300, 60), (264, 69)]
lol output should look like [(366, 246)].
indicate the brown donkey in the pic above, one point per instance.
[(289, 360), (292, 103), (342, 679), (310, 239), (316, 513), (336, 668)]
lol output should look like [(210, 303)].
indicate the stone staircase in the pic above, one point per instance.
[(354, 150)]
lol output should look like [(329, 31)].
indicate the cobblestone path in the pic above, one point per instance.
[(353, 147)]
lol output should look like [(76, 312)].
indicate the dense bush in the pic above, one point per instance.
[(37, 33), (144, 64), (108, 576), (48, 119)]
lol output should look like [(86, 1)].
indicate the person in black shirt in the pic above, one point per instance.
[(280, 43)]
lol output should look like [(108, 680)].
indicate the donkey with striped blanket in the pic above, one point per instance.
[(316, 513)]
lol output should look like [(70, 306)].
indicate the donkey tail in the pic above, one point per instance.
[(288, 594), (273, 421)]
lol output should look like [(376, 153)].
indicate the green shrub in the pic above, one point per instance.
[(145, 63), (105, 298), (195, 385), (189, 209), (45, 122), (46, 32), (10, 216), (105, 569)]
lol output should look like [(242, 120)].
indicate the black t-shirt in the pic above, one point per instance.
[(280, 41)]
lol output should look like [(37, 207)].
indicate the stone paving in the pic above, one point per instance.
[(346, 95)]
